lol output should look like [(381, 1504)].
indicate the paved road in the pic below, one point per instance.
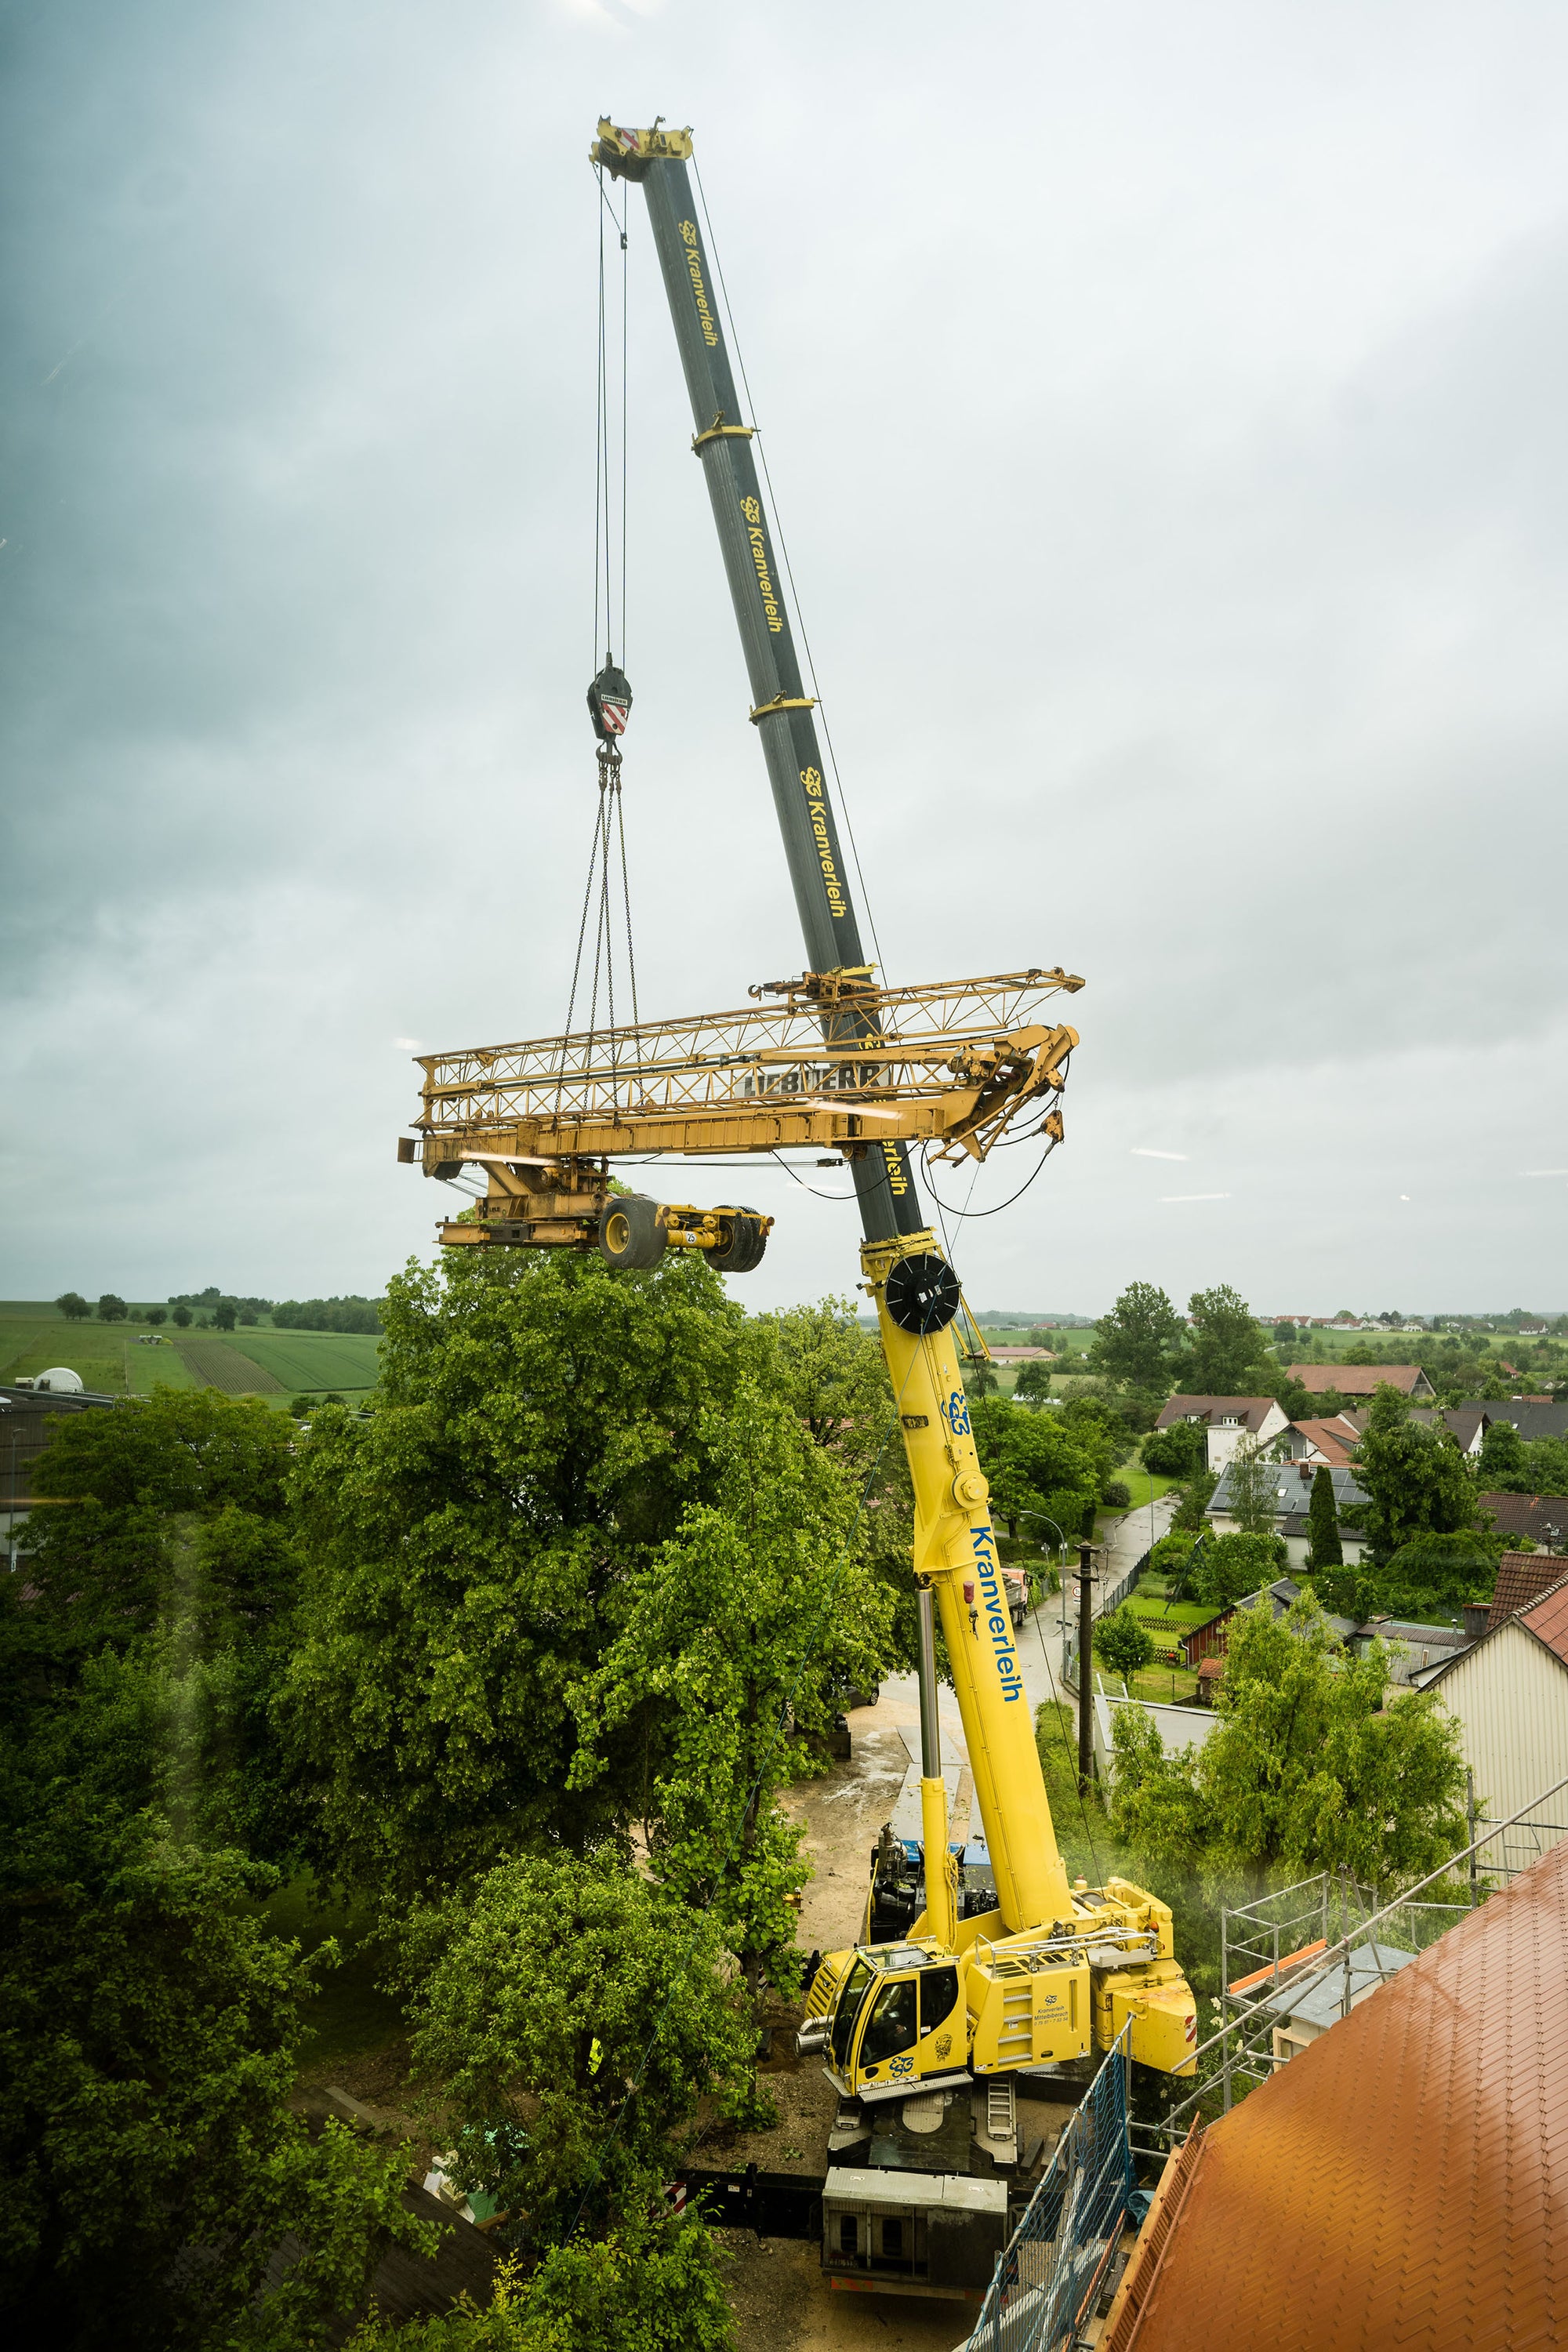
[(1040, 1644)]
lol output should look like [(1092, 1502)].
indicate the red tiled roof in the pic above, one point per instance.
[(1334, 1439), (1402, 2181), (1358, 1380), (1522, 1577), (1548, 1618)]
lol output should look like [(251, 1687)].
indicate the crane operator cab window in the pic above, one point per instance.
[(847, 2012), (891, 2029)]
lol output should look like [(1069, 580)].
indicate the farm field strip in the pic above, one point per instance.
[(217, 1365), (313, 1359)]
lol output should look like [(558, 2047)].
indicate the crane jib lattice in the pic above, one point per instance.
[(827, 1060)]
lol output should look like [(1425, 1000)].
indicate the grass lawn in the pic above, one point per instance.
[(1171, 1685), (1187, 1613), (307, 1361)]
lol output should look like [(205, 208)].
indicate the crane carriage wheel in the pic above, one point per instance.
[(744, 1240), (629, 1232)]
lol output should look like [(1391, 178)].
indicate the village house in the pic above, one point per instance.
[(1509, 1695), (1292, 1501), (1227, 1420)]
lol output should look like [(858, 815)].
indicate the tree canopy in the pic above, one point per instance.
[(1226, 1343), (1308, 1767), (1136, 1344), (1415, 1474)]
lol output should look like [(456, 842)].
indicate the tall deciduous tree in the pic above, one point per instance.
[(1504, 1466), (1324, 1523), (571, 2018), (111, 1309), (1039, 1462), (1226, 1343), (474, 1549), (1307, 1768), (147, 2051), (73, 1305), (1136, 1343), (1414, 1475), (739, 1637)]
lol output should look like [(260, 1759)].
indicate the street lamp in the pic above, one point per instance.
[(1046, 1520)]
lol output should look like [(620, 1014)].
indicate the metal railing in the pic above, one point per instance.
[(1344, 1960), (1056, 2266)]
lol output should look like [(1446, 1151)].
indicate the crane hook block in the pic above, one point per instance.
[(923, 1293), (609, 702)]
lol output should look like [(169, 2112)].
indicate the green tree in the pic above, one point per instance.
[(226, 1316), (1033, 1385), (1230, 1567), (649, 2285), (1324, 1549), (180, 1317), (1252, 1486), (1225, 1344), (1124, 1641), (475, 1546), (147, 2051), (73, 1305), (1414, 1475), (1438, 1572), (1546, 1462), (111, 1309), (1037, 1462), (737, 1635), (1308, 1767), (1136, 1343), (1284, 1335), (1196, 1497), (1504, 1467), (156, 1316), (980, 1379), (570, 2020)]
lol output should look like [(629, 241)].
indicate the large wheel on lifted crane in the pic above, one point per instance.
[(923, 1293), (629, 1232), (745, 1243)]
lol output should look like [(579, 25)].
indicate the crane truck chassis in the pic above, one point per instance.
[(1052, 1974)]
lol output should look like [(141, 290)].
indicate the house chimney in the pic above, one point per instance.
[(1475, 1615)]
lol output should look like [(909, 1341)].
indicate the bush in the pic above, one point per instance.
[(1123, 1641), (1117, 1495), (1169, 1555), (1176, 1452)]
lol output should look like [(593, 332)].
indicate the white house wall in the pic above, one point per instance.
[(1509, 1698)]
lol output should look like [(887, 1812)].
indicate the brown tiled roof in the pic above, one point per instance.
[(1522, 1577), (1402, 2181), (1548, 1619), (1528, 1515), (1358, 1380), (1333, 1439), (1251, 1412)]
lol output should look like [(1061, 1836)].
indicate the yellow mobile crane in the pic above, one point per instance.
[(832, 1059)]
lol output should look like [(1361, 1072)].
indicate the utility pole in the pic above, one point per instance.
[(1085, 1652)]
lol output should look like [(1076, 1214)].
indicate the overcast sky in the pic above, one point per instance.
[(1166, 406)]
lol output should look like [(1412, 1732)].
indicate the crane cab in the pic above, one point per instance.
[(889, 2019)]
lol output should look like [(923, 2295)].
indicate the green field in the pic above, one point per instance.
[(34, 1339), (110, 1359), (303, 1361)]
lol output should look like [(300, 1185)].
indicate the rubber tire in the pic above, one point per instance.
[(745, 1247), (630, 1234)]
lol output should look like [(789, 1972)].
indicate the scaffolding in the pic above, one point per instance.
[(1318, 1947), (1060, 2262)]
